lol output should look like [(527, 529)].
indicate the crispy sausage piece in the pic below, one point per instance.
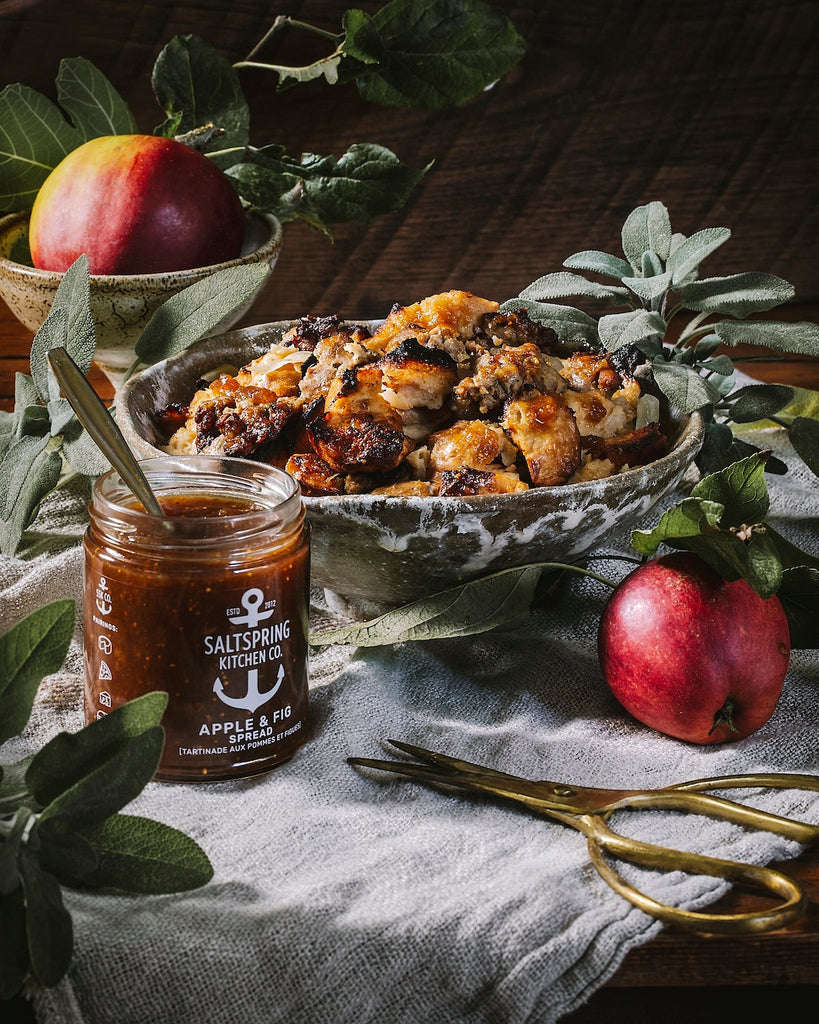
[(635, 448), (543, 427)]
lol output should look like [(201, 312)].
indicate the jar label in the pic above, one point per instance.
[(233, 661)]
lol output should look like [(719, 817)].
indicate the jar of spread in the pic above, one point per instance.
[(208, 603)]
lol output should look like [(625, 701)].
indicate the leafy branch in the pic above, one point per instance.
[(723, 520), (657, 283), (412, 53), (60, 820)]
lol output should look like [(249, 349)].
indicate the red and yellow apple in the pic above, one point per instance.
[(135, 204), (692, 655)]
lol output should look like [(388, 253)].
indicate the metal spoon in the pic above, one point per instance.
[(102, 427)]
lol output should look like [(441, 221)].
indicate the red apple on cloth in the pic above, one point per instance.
[(135, 204), (693, 655)]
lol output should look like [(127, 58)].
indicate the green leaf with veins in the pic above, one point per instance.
[(28, 471), (600, 263), (140, 855), (561, 285), (197, 85), (798, 338), (687, 256), (759, 401), (34, 138), (646, 229), (430, 53), (690, 518), (36, 646), (683, 386), (48, 924), (197, 310), (736, 295), (93, 104), (741, 489), (804, 436), (573, 327)]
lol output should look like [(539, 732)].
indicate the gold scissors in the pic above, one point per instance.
[(588, 810)]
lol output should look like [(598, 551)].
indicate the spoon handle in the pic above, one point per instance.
[(101, 426)]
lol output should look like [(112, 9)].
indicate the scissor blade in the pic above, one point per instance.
[(453, 763)]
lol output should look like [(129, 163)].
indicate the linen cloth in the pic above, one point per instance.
[(341, 896)]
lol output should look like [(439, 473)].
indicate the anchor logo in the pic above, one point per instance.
[(253, 699), (251, 602)]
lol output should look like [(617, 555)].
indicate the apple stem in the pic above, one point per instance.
[(725, 716)]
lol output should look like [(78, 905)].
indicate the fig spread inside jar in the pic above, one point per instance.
[(209, 604)]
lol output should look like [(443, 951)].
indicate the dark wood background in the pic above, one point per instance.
[(709, 106)]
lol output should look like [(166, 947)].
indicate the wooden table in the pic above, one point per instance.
[(788, 957)]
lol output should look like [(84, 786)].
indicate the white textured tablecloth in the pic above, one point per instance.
[(341, 898)]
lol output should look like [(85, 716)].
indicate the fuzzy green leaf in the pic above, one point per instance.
[(28, 471), (573, 327), (196, 85), (804, 436), (69, 325), (649, 289), (430, 53), (474, 607), (109, 787), (69, 856), (93, 104), (197, 310), (759, 401), (687, 256), (143, 856), (48, 924), (647, 228), (82, 453), (68, 758), (637, 327), (736, 295), (35, 647), (557, 286), (34, 138), (600, 263), (799, 338), (683, 386)]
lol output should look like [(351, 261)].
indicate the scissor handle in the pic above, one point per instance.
[(602, 839)]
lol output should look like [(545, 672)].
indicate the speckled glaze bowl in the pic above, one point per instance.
[(120, 304), (372, 551)]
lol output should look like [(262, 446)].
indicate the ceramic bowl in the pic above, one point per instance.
[(374, 551), (120, 304)]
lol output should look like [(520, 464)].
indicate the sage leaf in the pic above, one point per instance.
[(93, 104), (707, 345), (805, 403), (82, 453), (197, 310), (34, 138), (600, 263), (573, 327), (799, 594), (139, 855), (683, 386), (804, 436), (556, 286), (639, 327), (799, 338), (647, 228), (196, 85), (49, 930), (690, 518), (69, 325), (35, 647), (107, 788), (68, 758), (649, 289), (69, 856), (469, 608), (741, 489), (687, 256), (14, 962), (736, 295), (430, 53), (759, 401), (28, 471)]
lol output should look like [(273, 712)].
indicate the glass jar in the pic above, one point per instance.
[(210, 604)]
